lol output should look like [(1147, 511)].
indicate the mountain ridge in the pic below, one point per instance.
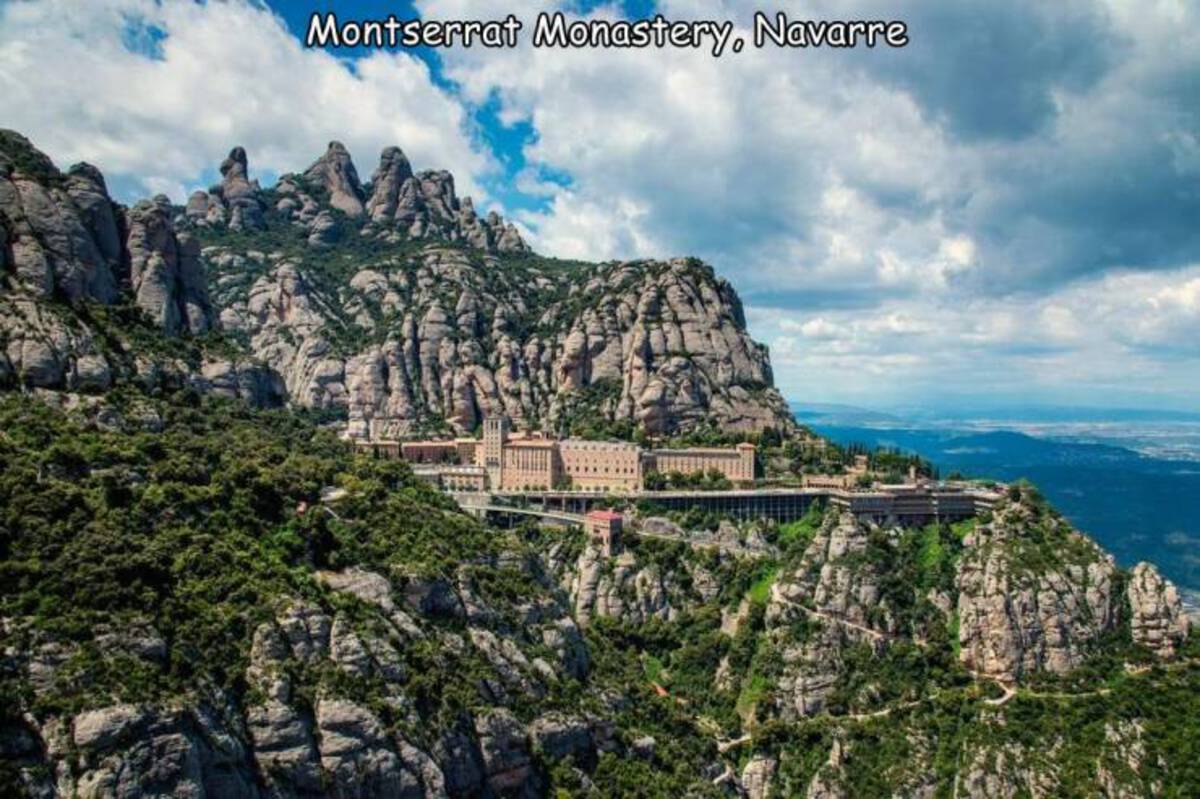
[(392, 303)]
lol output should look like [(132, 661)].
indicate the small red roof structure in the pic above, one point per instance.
[(604, 527)]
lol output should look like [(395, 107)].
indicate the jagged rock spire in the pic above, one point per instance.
[(235, 165), (241, 195), (425, 205), (335, 172), (390, 176)]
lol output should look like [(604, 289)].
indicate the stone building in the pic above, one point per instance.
[(520, 461), (452, 477), (452, 451), (530, 464), (848, 479), (458, 450), (379, 448), (916, 504), (490, 454), (604, 529), (601, 465), (736, 464)]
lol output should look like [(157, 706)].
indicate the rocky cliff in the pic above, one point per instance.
[(814, 647), (186, 612), (68, 249), (276, 741), (445, 335), (391, 302), (1034, 594), (436, 660)]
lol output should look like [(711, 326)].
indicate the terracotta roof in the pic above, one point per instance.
[(605, 515)]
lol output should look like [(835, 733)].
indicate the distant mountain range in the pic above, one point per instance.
[(838, 413)]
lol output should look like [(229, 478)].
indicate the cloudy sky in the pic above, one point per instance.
[(1007, 211)]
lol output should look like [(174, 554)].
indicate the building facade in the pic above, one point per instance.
[(925, 503), (529, 461), (459, 450), (736, 464), (532, 464), (452, 477), (601, 465)]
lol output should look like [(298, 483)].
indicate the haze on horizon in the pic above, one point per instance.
[(1004, 213)]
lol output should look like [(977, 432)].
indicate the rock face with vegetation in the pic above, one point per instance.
[(837, 661), (1034, 594), (65, 240), (1157, 618), (188, 609), (392, 304), (217, 631), (181, 613)]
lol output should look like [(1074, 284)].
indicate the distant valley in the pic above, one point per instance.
[(1139, 504)]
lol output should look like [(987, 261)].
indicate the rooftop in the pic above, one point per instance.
[(701, 450)]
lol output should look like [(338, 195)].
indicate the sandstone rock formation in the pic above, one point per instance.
[(61, 233), (279, 744), (448, 334), (334, 174), (64, 238), (425, 205), (165, 271), (757, 777), (835, 593), (389, 179), (621, 590), (660, 344), (1158, 620), (1034, 594), (237, 201)]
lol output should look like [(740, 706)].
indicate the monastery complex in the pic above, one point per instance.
[(504, 460)]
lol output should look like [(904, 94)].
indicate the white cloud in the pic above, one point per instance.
[(897, 222), (947, 207), (230, 73), (1122, 337)]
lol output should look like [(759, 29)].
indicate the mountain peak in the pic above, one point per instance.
[(335, 173), (390, 176), (235, 164), (17, 153)]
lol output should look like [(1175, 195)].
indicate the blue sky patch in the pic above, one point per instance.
[(143, 37)]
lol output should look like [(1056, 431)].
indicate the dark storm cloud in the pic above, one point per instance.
[(1071, 214), (990, 69), (1083, 129)]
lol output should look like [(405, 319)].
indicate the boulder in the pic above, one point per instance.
[(506, 762), (561, 737), (1158, 621)]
